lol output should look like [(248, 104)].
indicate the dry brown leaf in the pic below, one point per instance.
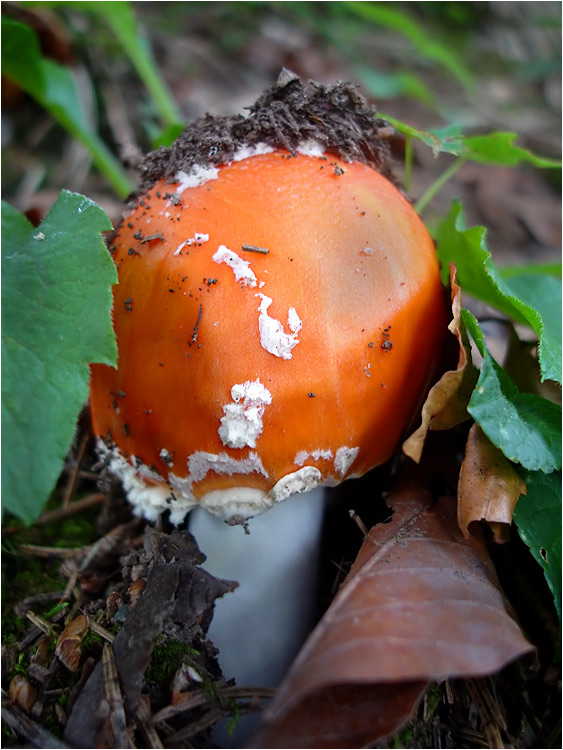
[(446, 403), (489, 486), (421, 603), (342, 716), (68, 647)]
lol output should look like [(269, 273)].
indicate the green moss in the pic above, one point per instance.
[(24, 575), (166, 658), (91, 639), (21, 666)]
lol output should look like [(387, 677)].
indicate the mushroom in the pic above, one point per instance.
[(278, 314), (277, 318)]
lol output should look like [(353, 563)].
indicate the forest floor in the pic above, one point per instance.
[(87, 559)]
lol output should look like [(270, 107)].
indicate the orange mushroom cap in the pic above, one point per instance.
[(277, 318)]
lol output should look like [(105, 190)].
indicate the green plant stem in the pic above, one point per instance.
[(437, 185), (141, 58), (107, 164), (408, 162), (101, 155)]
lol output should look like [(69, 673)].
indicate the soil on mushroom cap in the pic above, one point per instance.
[(289, 113)]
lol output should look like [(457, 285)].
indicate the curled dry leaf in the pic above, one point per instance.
[(421, 604), (489, 485), (446, 403), (68, 647), (22, 693)]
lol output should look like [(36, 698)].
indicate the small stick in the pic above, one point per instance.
[(359, 523), (256, 249), (39, 622), (37, 551), (151, 237), (73, 478), (71, 507), (93, 625), (194, 334)]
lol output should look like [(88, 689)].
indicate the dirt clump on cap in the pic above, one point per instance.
[(291, 112)]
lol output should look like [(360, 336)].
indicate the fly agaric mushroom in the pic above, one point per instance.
[(278, 312)]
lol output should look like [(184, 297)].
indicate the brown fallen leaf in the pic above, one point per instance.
[(421, 603), (22, 693), (68, 647), (489, 486), (446, 403)]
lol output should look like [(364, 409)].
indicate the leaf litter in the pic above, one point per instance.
[(147, 589), (124, 653), (478, 696), (421, 604), (446, 403), (489, 486)]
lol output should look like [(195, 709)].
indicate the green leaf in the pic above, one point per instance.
[(538, 517), (119, 15), (542, 293), (547, 269), (441, 140), (54, 88), (495, 148), (473, 327), (498, 148), (56, 302), (525, 427), (539, 306)]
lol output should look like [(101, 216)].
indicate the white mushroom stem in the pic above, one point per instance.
[(259, 627)]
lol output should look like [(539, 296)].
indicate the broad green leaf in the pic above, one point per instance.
[(56, 302), (547, 269), (478, 276), (525, 427), (542, 293), (54, 88), (538, 517), (498, 148)]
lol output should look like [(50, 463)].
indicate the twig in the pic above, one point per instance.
[(195, 727), (144, 721), (39, 622), (39, 551), (107, 543), (359, 523), (256, 249), (114, 700), (93, 625), (35, 734), (70, 509), (29, 602), (73, 474), (201, 699)]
